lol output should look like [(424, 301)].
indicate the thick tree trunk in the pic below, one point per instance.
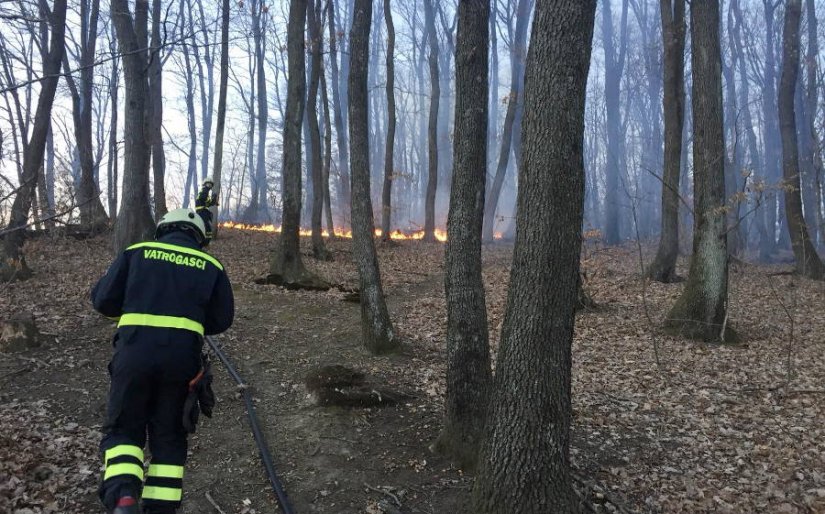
[(155, 100), (221, 122), (340, 125), (701, 310), (386, 192), (134, 221), (525, 465), (663, 268), (285, 260), (375, 319), (808, 262), (319, 249), (432, 127), (518, 52), (469, 375), (12, 261)]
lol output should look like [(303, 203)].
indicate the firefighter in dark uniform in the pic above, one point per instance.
[(206, 199), (167, 294)]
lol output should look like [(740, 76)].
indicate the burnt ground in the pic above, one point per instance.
[(708, 429)]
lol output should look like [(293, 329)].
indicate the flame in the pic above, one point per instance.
[(440, 234)]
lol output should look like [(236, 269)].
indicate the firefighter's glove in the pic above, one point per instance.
[(201, 398)]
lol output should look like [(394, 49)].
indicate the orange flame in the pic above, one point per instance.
[(440, 234)]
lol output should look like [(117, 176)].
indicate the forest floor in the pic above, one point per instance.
[(707, 429)]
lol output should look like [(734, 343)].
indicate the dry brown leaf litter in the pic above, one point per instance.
[(716, 429)]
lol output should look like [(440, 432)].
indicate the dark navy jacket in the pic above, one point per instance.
[(167, 289)]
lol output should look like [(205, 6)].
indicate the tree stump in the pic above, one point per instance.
[(19, 333)]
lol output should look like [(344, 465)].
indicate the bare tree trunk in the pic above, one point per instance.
[(432, 130), (767, 244), (327, 155), (92, 214), (469, 376), (12, 261), (340, 126), (113, 148), (221, 123), (808, 262), (156, 116), (263, 115), (518, 52), (189, 94), (613, 70), (258, 211), (375, 319), (525, 461), (701, 310), (134, 221), (663, 268), (809, 132), (319, 249), (386, 193), (286, 265)]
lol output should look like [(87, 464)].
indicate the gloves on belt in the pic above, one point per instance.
[(201, 398)]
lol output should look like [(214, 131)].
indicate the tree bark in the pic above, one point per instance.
[(469, 375), (809, 132), (221, 121), (432, 127), (808, 263), (386, 193), (155, 100), (613, 70), (92, 214), (12, 260), (340, 125), (767, 244), (701, 310), (525, 465), (327, 155), (518, 51), (319, 249), (286, 259), (134, 221), (375, 319), (112, 170), (663, 268)]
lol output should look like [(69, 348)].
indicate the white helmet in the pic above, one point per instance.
[(208, 180), (182, 219)]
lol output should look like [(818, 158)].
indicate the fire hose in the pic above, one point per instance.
[(260, 441)]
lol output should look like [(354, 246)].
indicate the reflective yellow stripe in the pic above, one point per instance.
[(124, 468), (181, 249), (154, 320), (123, 449), (165, 471), (169, 494), (200, 208)]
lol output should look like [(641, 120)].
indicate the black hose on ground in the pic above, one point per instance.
[(260, 441)]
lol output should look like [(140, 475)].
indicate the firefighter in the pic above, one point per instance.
[(166, 294), (206, 199)]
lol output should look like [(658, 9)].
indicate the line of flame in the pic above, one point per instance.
[(440, 234)]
